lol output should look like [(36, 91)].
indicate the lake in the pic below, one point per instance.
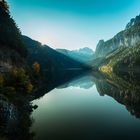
[(89, 107)]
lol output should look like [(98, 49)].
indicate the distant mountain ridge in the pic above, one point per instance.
[(83, 54), (134, 21), (48, 58)]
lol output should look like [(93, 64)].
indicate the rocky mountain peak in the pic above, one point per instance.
[(100, 43), (99, 46), (86, 50), (134, 21)]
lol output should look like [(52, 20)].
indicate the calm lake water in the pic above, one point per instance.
[(89, 108)]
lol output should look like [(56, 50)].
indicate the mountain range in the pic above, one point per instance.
[(83, 55)]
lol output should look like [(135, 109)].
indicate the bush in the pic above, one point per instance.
[(19, 80), (36, 67)]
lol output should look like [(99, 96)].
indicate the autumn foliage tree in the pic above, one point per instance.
[(36, 67)]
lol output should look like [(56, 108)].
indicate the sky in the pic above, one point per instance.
[(72, 24)]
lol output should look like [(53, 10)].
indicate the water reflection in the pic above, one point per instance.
[(77, 88), (85, 82), (123, 88)]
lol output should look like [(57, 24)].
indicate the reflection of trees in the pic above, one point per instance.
[(56, 79), (15, 121), (123, 88)]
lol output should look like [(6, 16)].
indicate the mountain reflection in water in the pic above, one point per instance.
[(77, 106)]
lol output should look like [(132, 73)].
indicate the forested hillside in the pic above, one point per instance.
[(12, 49)]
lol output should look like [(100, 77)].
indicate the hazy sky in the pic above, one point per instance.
[(72, 24)]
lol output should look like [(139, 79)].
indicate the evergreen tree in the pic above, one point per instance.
[(4, 5), (10, 35)]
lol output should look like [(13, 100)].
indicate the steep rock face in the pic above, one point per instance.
[(133, 21), (126, 38), (8, 116)]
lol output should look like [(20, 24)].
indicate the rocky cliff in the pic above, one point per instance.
[(129, 37)]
